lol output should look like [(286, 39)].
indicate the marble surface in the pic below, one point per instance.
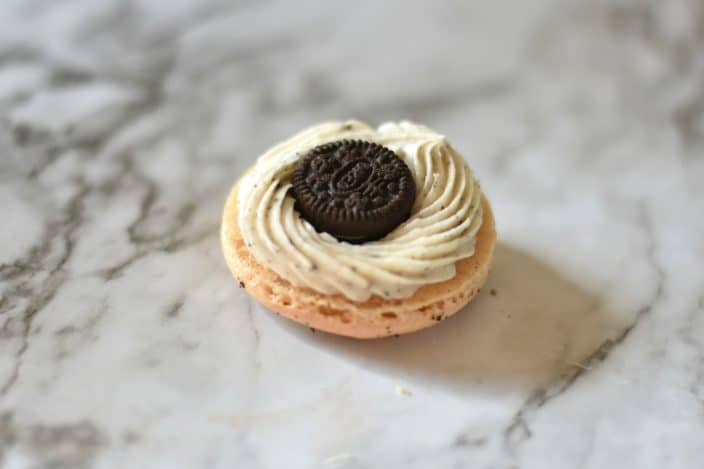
[(124, 342)]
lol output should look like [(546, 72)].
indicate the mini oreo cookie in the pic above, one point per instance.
[(357, 191)]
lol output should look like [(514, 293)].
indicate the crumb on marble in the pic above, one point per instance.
[(403, 390)]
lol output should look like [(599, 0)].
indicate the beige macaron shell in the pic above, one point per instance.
[(376, 317)]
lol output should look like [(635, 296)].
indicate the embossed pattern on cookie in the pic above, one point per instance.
[(355, 190)]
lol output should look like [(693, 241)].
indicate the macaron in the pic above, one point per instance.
[(360, 232)]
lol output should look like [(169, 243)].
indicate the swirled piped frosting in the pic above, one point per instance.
[(441, 230)]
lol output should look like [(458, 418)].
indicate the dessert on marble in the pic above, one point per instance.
[(359, 231)]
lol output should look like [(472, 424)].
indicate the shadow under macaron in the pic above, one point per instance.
[(529, 326)]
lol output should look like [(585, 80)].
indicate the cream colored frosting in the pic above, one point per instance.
[(441, 230)]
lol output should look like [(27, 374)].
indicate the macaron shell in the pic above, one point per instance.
[(374, 318)]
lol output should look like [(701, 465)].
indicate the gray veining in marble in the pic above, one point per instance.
[(124, 342)]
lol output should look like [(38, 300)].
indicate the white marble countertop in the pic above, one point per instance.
[(125, 343)]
